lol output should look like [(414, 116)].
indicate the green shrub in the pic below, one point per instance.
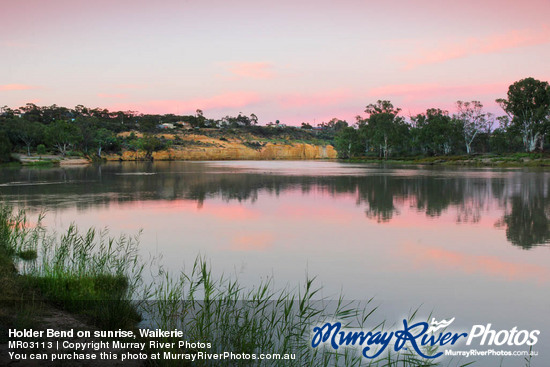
[(41, 149)]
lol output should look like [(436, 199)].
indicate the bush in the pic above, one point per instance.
[(41, 149)]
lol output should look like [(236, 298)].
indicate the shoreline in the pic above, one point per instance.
[(495, 161), (489, 160)]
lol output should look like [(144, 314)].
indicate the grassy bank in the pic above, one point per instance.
[(480, 160), (100, 279)]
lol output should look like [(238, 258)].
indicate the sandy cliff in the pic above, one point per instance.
[(197, 147)]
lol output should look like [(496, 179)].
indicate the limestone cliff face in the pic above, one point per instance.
[(235, 151)]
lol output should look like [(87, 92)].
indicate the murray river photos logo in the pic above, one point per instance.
[(420, 337)]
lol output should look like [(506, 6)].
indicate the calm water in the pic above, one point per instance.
[(464, 243)]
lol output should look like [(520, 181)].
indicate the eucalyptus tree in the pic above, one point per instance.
[(104, 138), (28, 132), (253, 119), (348, 143), (383, 127), (87, 127), (473, 120), (31, 112), (528, 105), (150, 144), (62, 135), (436, 131)]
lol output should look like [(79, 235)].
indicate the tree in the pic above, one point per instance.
[(334, 125), (150, 144), (62, 135), (41, 149), (347, 143), (149, 123), (54, 112), (125, 118), (104, 139), (435, 131), (242, 120), (383, 128), (29, 133), (132, 142), (81, 110), (254, 119), (7, 113), (5, 147), (200, 119), (473, 120), (528, 105), (87, 127), (31, 112), (504, 139)]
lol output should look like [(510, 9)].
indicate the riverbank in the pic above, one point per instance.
[(221, 150), (49, 160), (197, 147), (488, 160)]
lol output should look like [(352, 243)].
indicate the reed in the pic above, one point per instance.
[(260, 320), (84, 273), (91, 274)]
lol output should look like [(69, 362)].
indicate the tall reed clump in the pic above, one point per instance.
[(261, 320), (18, 238), (18, 243), (86, 273), (91, 274)]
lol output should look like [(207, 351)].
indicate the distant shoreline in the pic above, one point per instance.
[(481, 160), (496, 161)]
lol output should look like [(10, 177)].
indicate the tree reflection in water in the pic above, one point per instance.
[(522, 196)]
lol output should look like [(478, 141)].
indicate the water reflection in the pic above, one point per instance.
[(521, 196), (527, 210)]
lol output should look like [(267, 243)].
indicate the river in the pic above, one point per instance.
[(468, 243)]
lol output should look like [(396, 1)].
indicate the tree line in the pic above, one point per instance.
[(92, 131), (383, 132)]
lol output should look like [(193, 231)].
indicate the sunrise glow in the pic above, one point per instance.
[(289, 61)]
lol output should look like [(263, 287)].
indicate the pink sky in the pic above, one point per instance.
[(289, 61)]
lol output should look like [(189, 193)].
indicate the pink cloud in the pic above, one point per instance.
[(226, 100), (252, 70), (416, 98), (11, 87), (330, 98), (478, 46)]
